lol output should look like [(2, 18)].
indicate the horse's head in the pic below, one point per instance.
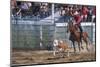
[(70, 27)]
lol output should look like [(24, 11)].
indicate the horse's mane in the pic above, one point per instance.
[(73, 27)]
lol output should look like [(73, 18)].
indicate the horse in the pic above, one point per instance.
[(75, 36), (60, 46)]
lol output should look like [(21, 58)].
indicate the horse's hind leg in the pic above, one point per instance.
[(86, 45), (81, 45), (86, 41)]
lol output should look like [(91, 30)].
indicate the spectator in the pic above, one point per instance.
[(36, 9), (94, 15), (62, 11), (84, 13), (67, 10), (89, 18), (44, 10), (24, 8), (70, 11), (13, 7), (66, 13)]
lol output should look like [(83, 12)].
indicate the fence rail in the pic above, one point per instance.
[(28, 33)]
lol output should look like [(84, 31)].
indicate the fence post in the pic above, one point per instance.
[(53, 13), (41, 36)]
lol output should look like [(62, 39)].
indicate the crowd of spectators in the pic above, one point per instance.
[(30, 9), (87, 13), (42, 10)]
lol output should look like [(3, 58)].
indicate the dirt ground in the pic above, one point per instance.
[(21, 57)]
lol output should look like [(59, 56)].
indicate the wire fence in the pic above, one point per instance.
[(29, 34)]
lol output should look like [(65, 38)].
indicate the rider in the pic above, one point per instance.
[(77, 22)]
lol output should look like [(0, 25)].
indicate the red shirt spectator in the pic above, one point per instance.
[(84, 13), (13, 4), (85, 10)]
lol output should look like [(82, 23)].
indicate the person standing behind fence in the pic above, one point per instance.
[(24, 8), (62, 13), (94, 15), (84, 13), (13, 7)]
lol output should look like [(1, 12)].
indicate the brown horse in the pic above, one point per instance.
[(75, 36)]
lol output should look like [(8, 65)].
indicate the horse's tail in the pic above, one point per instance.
[(85, 34), (88, 38)]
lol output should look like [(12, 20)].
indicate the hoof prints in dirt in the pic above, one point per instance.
[(33, 57), (54, 58)]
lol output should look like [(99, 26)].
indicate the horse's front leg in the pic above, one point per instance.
[(74, 46), (79, 47)]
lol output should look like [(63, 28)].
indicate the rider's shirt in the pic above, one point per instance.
[(77, 19)]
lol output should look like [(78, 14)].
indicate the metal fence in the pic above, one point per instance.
[(40, 35), (31, 35)]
